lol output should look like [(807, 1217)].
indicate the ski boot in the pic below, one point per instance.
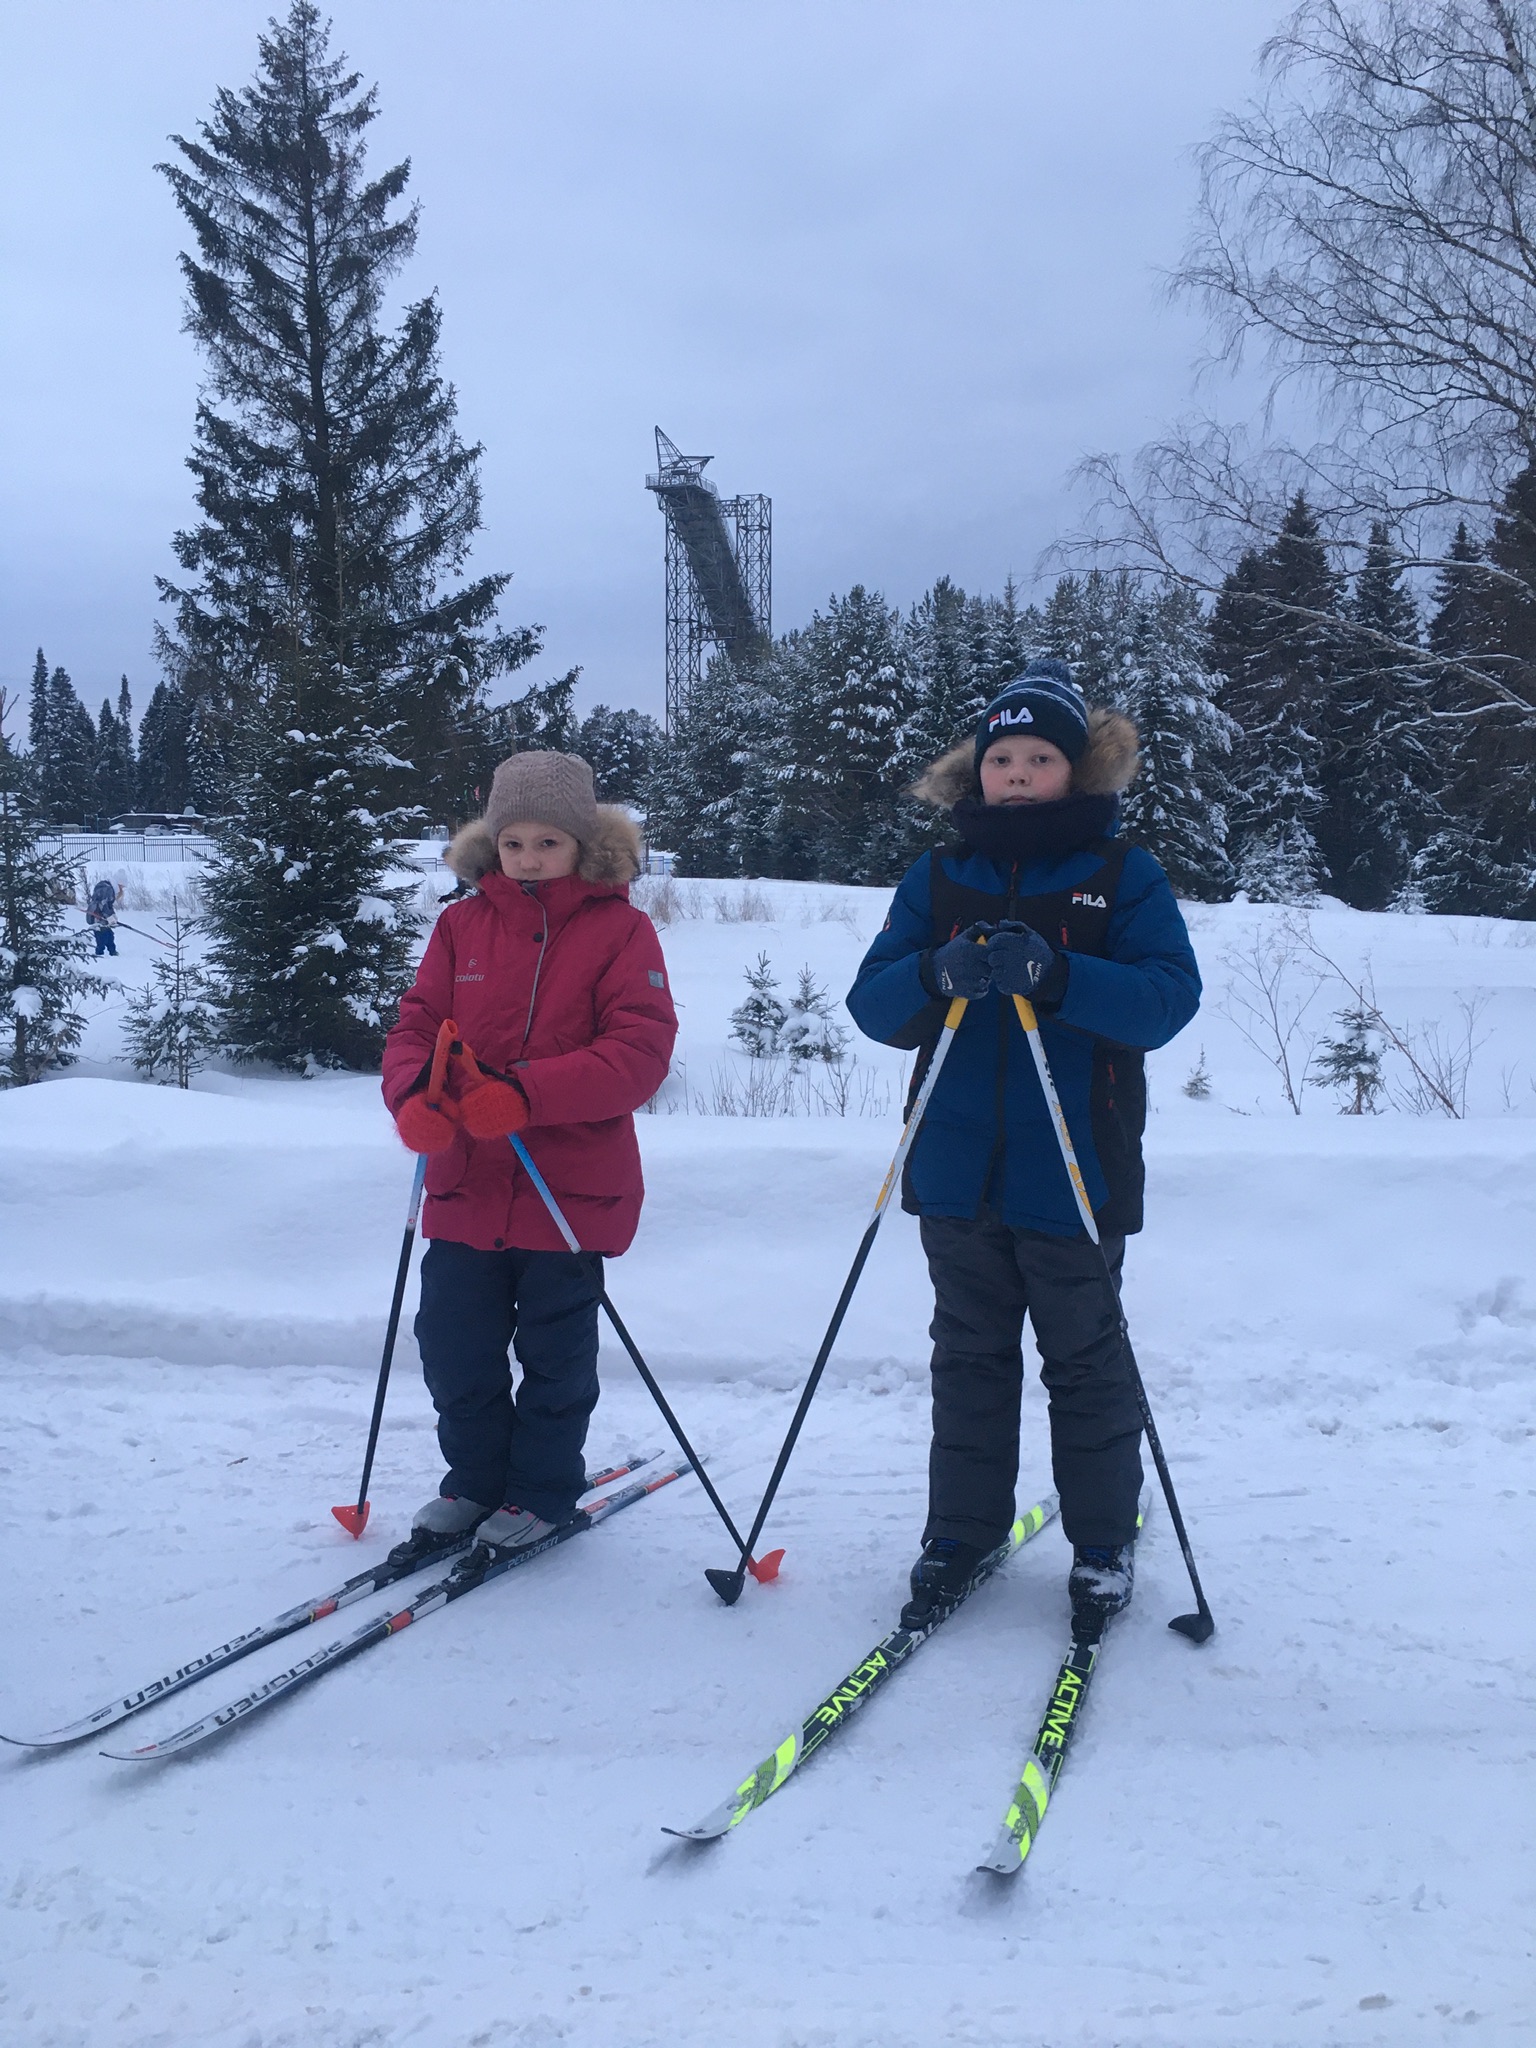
[(442, 1523), (939, 1577), (512, 1528), (1099, 1586)]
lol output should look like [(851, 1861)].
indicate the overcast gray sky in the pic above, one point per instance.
[(894, 264)]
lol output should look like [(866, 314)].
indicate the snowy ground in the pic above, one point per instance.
[(1315, 1830)]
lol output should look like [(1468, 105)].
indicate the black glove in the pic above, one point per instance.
[(960, 967), (1024, 964)]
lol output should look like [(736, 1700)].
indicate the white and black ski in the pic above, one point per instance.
[(476, 1568), (403, 1562)]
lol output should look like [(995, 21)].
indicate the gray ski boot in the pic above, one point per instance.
[(512, 1528)]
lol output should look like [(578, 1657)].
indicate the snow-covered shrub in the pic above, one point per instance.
[(757, 1022), (171, 1028), (811, 1032)]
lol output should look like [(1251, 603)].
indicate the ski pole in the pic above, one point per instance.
[(729, 1584), (355, 1520), (1200, 1626), (768, 1567), (143, 935)]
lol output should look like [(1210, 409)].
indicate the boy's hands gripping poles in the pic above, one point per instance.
[(485, 1105)]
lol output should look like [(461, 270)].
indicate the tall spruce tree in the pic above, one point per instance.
[(67, 768), (941, 639), (1376, 766), (1483, 858), (112, 770), (1276, 642), (311, 943), (1177, 806), (712, 795), (623, 747), (43, 976), (849, 699), (333, 656), (37, 713), (164, 778), (338, 501)]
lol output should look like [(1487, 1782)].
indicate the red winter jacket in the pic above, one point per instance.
[(589, 1044)]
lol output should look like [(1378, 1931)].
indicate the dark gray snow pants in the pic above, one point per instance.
[(986, 1277)]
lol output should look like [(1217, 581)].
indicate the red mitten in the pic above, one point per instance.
[(426, 1119), (489, 1105), (425, 1126)]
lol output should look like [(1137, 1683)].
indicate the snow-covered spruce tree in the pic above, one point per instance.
[(1376, 767), (1450, 869), (1276, 643), (1177, 806), (759, 1019), (1351, 1062), (710, 798), (163, 780), (811, 1030), (63, 759), (43, 975), (171, 1027), (939, 650), (311, 944), (1481, 859), (622, 747), (1003, 636), (848, 699), (112, 780), (1097, 624), (338, 502)]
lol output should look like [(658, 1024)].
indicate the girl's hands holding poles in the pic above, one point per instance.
[(485, 1105), (490, 1105), (426, 1119)]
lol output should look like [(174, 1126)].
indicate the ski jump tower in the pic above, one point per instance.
[(719, 569)]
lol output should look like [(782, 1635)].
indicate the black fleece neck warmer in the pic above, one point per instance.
[(1010, 832)]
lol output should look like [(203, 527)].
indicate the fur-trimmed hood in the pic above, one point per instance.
[(611, 855), (1107, 765)]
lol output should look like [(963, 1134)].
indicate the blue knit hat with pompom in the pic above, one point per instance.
[(1042, 703)]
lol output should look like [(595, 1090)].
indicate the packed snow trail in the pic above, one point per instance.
[(1336, 1318)]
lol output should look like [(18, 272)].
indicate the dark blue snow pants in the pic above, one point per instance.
[(986, 1277), (499, 1447)]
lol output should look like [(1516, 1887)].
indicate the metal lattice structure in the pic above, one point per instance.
[(719, 569)]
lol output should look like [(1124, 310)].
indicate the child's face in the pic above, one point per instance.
[(531, 852), (1024, 771)]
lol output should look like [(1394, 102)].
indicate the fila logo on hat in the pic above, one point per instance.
[(1010, 714)]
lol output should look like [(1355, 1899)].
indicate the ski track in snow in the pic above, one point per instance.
[(1316, 1830)]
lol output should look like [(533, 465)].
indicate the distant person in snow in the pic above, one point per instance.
[(558, 989), (1038, 898), (101, 916)]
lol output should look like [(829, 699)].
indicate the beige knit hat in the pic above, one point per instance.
[(543, 789)]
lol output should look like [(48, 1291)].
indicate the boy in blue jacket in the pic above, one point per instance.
[(1038, 898)]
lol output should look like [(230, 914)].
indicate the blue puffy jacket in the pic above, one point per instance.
[(987, 1133)]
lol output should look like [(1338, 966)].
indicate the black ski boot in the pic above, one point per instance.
[(940, 1575), (1099, 1586)]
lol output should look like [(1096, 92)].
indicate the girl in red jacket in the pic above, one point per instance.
[(556, 984)]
